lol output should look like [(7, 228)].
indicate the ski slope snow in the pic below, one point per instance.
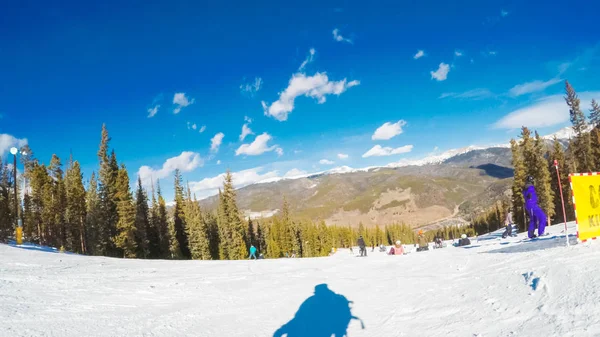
[(494, 287)]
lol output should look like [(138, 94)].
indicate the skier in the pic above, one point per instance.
[(362, 246), (397, 249), (464, 241), (508, 222), (536, 215), (252, 252), (423, 245)]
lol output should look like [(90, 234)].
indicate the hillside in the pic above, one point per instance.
[(416, 195)]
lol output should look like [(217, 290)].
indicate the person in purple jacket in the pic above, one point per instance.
[(536, 215)]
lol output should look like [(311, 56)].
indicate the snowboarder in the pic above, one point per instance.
[(536, 215), (397, 249), (362, 246), (252, 252), (423, 244), (464, 241)]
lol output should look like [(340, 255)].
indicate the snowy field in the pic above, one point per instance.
[(493, 288)]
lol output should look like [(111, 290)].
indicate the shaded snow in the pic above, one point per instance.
[(492, 288)]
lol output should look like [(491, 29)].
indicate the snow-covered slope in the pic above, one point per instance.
[(492, 288)]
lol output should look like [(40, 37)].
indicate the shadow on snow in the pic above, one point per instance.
[(324, 314)]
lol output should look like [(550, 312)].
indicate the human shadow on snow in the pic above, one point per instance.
[(324, 314)]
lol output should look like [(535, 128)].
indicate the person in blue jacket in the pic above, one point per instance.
[(252, 252), (536, 215)]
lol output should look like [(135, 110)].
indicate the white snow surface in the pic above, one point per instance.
[(486, 289)]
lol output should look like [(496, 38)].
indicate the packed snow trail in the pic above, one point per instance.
[(486, 289)]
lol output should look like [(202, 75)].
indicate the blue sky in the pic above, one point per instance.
[(315, 83)]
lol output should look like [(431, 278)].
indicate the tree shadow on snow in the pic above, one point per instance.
[(324, 314), (538, 244)]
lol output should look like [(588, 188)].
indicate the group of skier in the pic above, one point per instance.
[(537, 219)]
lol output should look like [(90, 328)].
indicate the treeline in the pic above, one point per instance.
[(107, 218), (531, 157)]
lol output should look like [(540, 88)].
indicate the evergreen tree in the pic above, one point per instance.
[(251, 235), (225, 241), (237, 249), (76, 208), (261, 242), (108, 215), (179, 224), (595, 114), (153, 232), (558, 154), (6, 215), (125, 240), (582, 142), (142, 222), (162, 225), (212, 229), (197, 231), (92, 224), (541, 174), (58, 202), (520, 175)]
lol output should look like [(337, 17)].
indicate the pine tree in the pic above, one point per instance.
[(251, 235), (261, 242), (595, 141), (6, 216), (237, 249), (558, 154), (179, 224), (125, 239), (108, 216), (58, 203), (93, 214), (153, 232), (520, 175), (197, 231), (142, 223), (595, 114), (162, 225), (76, 207), (225, 241), (212, 229), (541, 174), (582, 142)]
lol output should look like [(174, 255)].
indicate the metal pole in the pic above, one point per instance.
[(562, 200), (16, 197)]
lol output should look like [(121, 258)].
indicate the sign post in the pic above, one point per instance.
[(586, 202), (562, 199)]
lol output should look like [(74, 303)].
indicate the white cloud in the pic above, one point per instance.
[(503, 13), (279, 151), (216, 141), (218, 162), (181, 101), (492, 53), (252, 88), (442, 73), (203, 128), (257, 147), (210, 186), (317, 86), (419, 54), (152, 111), (388, 130), (326, 162), (309, 59), (379, 151), (7, 141), (458, 53), (187, 161), (245, 132), (534, 86), (342, 156), (475, 94), (339, 38), (294, 173), (194, 126), (247, 119), (545, 112)]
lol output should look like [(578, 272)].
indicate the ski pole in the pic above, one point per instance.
[(562, 199)]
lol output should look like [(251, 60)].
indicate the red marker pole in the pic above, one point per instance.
[(562, 199)]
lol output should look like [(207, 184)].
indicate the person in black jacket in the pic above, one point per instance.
[(362, 246), (464, 241)]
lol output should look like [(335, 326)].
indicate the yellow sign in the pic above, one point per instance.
[(586, 200)]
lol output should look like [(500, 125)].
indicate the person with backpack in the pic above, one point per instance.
[(423, 244), (537, 217), (362, 246)]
